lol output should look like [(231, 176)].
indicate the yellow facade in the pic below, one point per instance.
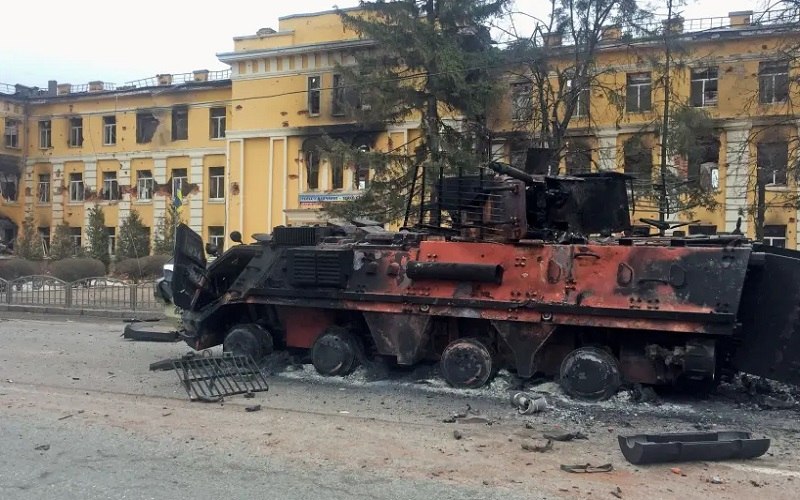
[(277, 101)]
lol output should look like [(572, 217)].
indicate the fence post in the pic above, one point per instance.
[(10, 286), (134, 298), (68, 295)]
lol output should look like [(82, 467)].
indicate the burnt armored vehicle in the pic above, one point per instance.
[(504, 269)]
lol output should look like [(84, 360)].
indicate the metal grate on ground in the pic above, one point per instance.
[(211, 378)]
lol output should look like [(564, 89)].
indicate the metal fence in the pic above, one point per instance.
[(101, 293)]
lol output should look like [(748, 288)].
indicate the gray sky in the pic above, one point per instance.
[(85, 40)]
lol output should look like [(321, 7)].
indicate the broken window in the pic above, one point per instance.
[(313, 95), (216, 236), (338, 96), (45, 134), (110, 186), (773, 81), (75, 239), (581, 99), (704, 87), (703, 159), (638, 92), (639, 164), (312, 170), (76, 187), (772, 159), (44, 234), (146, 125), (112, 240), (775, 235), (144, 185), (361, 175), (8, 186), (217, 118), (521, 101), (579, 157), (337, 172), (109, 130), (216, 183), (43, 189), (180, 123), (12, 133), (180, 181), (75, 132)]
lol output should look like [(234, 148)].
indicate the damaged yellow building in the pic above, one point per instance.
[(240, 149)]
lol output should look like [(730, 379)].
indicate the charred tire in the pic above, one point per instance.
[(590, 373), (336, 352), (467, 363), (248, 340)]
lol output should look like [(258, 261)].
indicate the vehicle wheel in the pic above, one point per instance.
[(248, 340), (336, 352), (467, 363), (590, 373)]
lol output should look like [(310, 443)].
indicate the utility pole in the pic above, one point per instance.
[(663, 202)]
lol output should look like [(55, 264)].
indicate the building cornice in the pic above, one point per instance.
[(246, 55)]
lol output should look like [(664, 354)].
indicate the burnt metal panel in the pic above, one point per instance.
[(525, 340), (326, 268), (691, 446), (299, 236), (770, 316), (405, 336)]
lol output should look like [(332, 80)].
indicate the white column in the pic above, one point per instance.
[(89, 182), (124, 180), (196, 176), (159, 201), (607, 151), (736, 175), (56, 192)]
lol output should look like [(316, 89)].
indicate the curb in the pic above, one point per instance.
[(99, 313)]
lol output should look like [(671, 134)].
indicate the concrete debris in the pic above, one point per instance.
[(457, 434), (617, 492), (530, 446), (566, 436), (715, 480), (42, 447), (252, 408), (528, 404), (587, 468)]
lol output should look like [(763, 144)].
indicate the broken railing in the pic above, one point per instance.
[(100, 293)]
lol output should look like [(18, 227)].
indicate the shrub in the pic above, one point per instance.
[(77, 269), (11, 269), (150, 267)]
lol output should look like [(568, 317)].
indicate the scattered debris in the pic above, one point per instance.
[(150, 333), (643, 394), (617, 492), (676, 470), (42, 447), (210, 378), (566, 436), (66, 416), (249, 395), (587, 468), (529, 446), (527, 404), (457, 434), (756, 483), (715, 480), (252, 408), (689, 446)]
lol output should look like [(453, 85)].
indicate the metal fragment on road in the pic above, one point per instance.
[(691, 446), (210, 378)]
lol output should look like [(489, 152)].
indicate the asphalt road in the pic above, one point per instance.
[(82, 417)]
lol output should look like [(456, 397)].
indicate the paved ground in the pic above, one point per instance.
[(116, 430)]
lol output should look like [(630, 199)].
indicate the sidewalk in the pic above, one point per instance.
[(73, 311)]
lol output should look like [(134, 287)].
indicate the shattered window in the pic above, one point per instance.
[(146, 125), (12, 133), (773, 81), (180, 123), (521, 102), (704, 87), (216, 181), (44, 234), (75, 132), (313, 95), (312, 170), (579, 157), (112, 240), (775, 235), (772, 159), (338, 100), (144, 185), (75, 239), (8, 186), (45, 134), (43, 189), (180, 179), (216, 236), (109, 130), (110, 186)]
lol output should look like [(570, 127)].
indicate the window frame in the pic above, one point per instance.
[(769, 78), (314, 90), (216, 184), (144, 184), (109, 130), (46, 191), (521, 101), (11, 133), (111, 231), (75, 139), (700, 80), (639, 86), (180, 123), (45, 134), (144, 120), (766, 152), (217, 122), (110, 190), (338, 96), (179, 180), (75, 186), (771, 239), (217, 239), (75, 237)]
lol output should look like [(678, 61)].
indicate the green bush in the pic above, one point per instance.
[(11, 269), (77, 268), (150, 267)]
